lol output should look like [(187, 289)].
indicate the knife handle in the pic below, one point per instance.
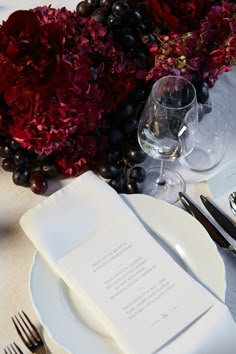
[(211, 229), (219, 216)]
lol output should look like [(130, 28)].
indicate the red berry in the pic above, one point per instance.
[(38, 184)]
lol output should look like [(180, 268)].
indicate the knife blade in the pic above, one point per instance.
[(213, 232), (219, 217)]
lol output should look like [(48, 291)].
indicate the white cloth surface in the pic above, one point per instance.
[(78, 211)]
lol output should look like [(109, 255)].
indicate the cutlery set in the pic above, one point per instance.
[(221, 219), (28, 334)]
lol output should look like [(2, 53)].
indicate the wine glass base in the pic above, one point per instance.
[(168, 192)]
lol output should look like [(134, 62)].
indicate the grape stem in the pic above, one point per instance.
[(161, 181)]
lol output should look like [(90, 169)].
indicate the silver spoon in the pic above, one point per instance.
[(232, 202)]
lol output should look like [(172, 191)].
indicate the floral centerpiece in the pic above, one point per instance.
[(60, 75), (73, 83)]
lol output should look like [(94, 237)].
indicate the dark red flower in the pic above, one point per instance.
[(178, 15), (60, 76), (208, 51)]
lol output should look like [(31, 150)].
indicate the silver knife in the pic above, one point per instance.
[(213, 232), (219, 217)]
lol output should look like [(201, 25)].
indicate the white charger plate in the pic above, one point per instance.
[(72, 323)]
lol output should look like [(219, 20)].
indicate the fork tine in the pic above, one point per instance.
[(19, 331), (33, 326), (11, 349), (27, 326), (27, 331), (19, 350)]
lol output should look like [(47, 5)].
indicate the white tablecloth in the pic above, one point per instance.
[(16, 251)]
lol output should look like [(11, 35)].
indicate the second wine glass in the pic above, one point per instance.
[(166, 132)]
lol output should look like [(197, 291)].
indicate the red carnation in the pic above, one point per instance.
[(60, 75)]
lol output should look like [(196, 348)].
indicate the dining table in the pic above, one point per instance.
[(17, 251)]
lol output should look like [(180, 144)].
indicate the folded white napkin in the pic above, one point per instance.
[(85, 208)]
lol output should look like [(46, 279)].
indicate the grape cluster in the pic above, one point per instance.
[(28, 169), (124, 150), (126, 24)]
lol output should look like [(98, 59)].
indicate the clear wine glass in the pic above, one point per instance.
[(166, 132)]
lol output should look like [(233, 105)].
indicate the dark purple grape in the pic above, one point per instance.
[(132, 188), (126, 110), (130, 127), (2, 138), (194, 75), (99, 15), (149, 38), (137, 174), (20, 158), (114, 156), (207, 109), (5, 151), (116, 136), (118, 183), (114, 22), (203, 110), (152, 38), (38, 184), (31, 154), (109, 170), (42, 157), (21, 176), (49, 170), (139, 95), (14, 145), (134, 18), (117, 32), (93, 3), (8, 164), (142, 28), (120, 8), (35, 169), (136, 155), (141, 60), (84, 9), (202, 91), (129, 41), (106, 4)]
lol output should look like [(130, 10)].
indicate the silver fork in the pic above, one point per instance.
[(29, 334), (13, 349)]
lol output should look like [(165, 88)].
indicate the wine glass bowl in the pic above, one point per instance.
[(211, 139), (166, 132)]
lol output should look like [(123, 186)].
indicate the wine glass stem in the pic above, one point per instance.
[(161, 181)]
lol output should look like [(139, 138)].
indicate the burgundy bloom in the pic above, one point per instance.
[(207, 52), (60, 76), (179, 16)]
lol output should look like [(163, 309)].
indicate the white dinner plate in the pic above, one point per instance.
[(72, 323)]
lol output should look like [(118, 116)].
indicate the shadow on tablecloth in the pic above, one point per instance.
[(230, 266)]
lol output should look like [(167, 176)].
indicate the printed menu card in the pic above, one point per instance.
[(143, 297)]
